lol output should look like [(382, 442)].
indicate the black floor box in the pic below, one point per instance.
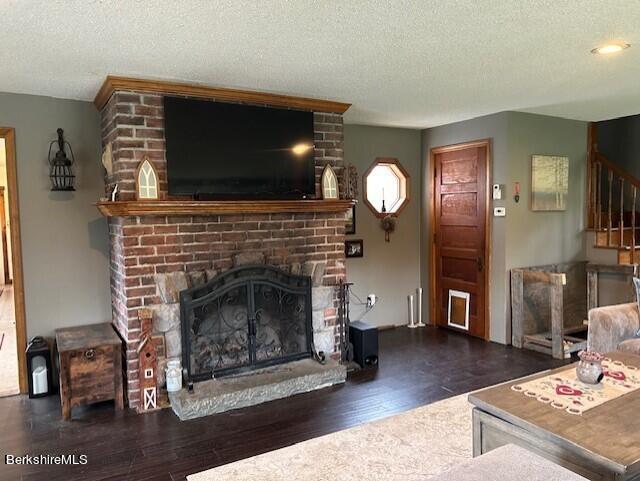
[(364, 338)]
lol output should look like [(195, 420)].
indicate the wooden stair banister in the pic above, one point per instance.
[(609, 220), (619, 172)]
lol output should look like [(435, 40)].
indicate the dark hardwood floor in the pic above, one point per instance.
[(417, 367)]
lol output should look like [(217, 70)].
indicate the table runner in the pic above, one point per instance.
[(563, 390)]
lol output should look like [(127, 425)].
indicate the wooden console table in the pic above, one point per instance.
[(624, 271), (90, 366)]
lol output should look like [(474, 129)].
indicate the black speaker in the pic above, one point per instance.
[(364, 338)]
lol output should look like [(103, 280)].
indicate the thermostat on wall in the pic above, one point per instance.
[(497, 192)]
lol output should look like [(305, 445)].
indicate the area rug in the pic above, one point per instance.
[(415, 445)]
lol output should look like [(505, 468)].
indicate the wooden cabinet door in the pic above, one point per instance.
[(460, 225)]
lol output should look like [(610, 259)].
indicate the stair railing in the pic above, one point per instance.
[(603, 171)]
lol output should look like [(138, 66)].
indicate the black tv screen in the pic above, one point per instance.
[(220, 150)]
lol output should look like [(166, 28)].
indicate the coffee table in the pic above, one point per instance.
[(603, 443)]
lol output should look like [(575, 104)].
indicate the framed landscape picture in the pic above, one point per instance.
[(549, 182)]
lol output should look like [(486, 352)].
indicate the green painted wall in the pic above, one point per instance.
[(545, 237), (523, 237), (389, 269), (65, 242)]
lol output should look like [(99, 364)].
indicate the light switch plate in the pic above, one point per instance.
[(497, 192), (499, 211)]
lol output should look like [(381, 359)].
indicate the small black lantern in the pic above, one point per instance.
[(38, 357), (61, 174)]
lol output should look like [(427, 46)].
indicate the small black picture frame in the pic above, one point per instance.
[(354, 248), (350, 225)]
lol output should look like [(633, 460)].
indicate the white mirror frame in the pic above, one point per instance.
[(329, 184), (147, 185)]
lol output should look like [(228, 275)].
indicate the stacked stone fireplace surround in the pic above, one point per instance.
[(154, 257)]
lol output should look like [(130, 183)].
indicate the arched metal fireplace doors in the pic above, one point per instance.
[(246, 318)]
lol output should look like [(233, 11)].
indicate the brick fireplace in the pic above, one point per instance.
[(155, 256)]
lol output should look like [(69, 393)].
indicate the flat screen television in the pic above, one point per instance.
[(220, 151)]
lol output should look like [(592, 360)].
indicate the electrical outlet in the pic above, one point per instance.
[(499, 211)]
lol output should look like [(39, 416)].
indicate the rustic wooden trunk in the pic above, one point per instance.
[(90, 366)]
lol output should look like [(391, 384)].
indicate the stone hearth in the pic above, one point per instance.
[(224, 394), (153, 257)]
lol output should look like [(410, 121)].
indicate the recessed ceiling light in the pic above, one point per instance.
[(610, 48)]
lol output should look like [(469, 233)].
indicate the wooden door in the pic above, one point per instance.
[(460, 254)]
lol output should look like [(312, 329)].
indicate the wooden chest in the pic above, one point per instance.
[(90, 366)]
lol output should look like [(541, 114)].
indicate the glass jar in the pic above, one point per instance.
[(589, 368), (174, 376)]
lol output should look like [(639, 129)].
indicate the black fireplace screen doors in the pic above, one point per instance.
[(246, 318)]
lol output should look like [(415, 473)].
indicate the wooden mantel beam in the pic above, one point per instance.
[(114, 83), (188, 207)]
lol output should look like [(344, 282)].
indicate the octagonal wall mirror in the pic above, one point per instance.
[(385, 187)]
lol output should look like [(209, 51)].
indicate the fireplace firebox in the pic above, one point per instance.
[(247, 318)]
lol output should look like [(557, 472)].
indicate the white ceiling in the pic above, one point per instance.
[(404, 63)]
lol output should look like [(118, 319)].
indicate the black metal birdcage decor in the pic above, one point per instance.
[(61, 173)]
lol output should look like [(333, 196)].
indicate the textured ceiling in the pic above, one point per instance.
[(405, 63)]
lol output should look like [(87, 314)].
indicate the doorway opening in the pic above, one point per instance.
[(12, 319)]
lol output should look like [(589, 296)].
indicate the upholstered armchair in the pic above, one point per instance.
[(614, 328)]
